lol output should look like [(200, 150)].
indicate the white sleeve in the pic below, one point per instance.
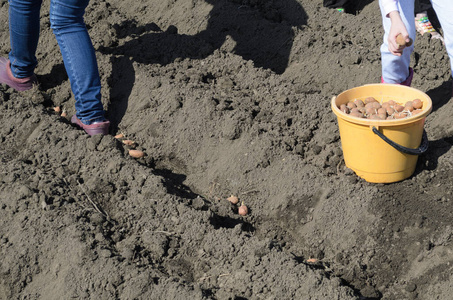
[(389, 5)]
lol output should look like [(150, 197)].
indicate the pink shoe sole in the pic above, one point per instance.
[(93, 129)]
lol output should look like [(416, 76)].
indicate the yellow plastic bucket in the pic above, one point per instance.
[(382, 151)]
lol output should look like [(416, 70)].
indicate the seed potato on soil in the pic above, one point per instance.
[(233, 199), (225, 96), (243, 209)]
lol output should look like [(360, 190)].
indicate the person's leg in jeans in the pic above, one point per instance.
[(395, 69), (67, 23), (17, 71), (24, 35)]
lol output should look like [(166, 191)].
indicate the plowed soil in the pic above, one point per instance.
[(225, 97)]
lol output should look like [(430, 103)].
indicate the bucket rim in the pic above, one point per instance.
[(380, 123)]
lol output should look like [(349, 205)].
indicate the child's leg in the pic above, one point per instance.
[(395, 69), (422, 5), (444, 12), (335, 3)]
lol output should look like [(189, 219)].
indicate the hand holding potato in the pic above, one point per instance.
[(398, 37)]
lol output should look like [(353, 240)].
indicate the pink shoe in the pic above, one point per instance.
[(92, 129), (19, 84), (408, 80)]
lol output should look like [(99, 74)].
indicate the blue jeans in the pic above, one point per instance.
[(66, 18)]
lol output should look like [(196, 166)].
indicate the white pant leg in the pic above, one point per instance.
[(444, 12), (395, 69)]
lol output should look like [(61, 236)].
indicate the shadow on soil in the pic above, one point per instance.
[(262, 33)]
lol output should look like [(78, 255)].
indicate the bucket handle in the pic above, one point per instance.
[(420, 150)]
